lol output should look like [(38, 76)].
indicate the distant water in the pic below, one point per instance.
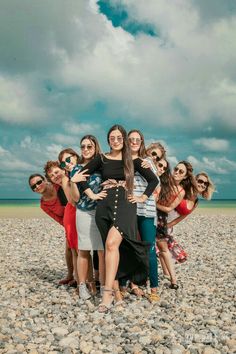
[(216, 203), (19, 202)]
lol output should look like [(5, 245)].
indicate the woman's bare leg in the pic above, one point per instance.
[(83, 265), (166, 257), (101, 267), (74, 259), (112, 258)]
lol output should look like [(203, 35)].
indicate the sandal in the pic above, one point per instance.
[(105, 308), (174, 286), (135, 290)]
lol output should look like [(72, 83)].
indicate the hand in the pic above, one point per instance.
[(80, 176), (98, 196), (135, 199), (145, 164)]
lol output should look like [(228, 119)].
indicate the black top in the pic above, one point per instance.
[(114, 169), (61, 196)]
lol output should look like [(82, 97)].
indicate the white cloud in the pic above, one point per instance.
[(17, 102), (186, 70), (214, 165), (212, 144)]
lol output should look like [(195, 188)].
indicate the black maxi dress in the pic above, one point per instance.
[(115, 210)]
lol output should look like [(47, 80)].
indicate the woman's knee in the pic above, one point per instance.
[(111, 245), (84, 254)]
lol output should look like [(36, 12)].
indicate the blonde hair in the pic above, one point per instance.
[(159, 146), (207, 194)]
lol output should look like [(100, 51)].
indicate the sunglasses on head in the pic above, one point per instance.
[(67, 160), (154, 154), (119, 139), (34, 186), (179, 170), (200, 181), (135, 140), (162, 166), (88, 147)]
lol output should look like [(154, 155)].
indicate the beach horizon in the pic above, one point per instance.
[(34, 211)]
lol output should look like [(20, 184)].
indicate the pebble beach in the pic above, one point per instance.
[(38, 316)]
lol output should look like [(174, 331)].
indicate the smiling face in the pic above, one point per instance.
[(87, 149), (37, 184), (202, 183), (155, 154), (161, 167), (55, 174), (116, 140), (68, 161), (180, 172), (135, 142)]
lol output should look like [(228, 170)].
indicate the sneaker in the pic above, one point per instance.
[(153, 297), (83, 292)]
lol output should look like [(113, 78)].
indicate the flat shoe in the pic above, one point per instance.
[(65, 281), (174, 286), (153, 297)]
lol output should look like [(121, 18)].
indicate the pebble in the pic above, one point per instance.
[(38, 316)]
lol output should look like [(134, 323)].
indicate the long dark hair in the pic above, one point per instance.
[(96, 144), (126, 157), (142, 150), (168, 187), (189, 183)]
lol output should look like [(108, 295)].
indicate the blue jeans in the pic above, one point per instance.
[(147, 231)]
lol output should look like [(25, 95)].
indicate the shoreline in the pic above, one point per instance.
[(30, 212)]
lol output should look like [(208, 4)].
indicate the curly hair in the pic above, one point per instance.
[(48, 166)]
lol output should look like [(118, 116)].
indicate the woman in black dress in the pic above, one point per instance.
[(125, 256)]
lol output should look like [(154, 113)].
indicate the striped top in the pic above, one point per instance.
[(148, 208)]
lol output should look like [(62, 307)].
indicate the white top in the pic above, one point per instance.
[(148, 208)]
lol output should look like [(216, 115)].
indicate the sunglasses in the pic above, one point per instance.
[(34, 186), (88, 147), (179, 170), (135, 140), (200, 181), (119, 139), (67, 160), (154, 154), (162, 166)]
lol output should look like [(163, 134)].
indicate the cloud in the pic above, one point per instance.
[(212, 144), (18, 103), (214, 165), (184, 76), (10, 162)]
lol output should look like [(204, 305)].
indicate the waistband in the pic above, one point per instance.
[(113, 183)]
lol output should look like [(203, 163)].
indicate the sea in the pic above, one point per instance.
[(215, 203)]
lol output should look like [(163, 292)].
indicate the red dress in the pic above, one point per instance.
[(64, 215), (70, 226)]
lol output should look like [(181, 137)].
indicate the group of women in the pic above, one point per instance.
[(115, 208)]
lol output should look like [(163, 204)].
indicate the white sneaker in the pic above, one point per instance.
[(83, 292)]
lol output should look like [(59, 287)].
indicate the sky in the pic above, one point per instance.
[(69, 68)]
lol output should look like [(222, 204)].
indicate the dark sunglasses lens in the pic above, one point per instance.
[(153, 153), (33, 187), (68, 159), (62, 164)]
